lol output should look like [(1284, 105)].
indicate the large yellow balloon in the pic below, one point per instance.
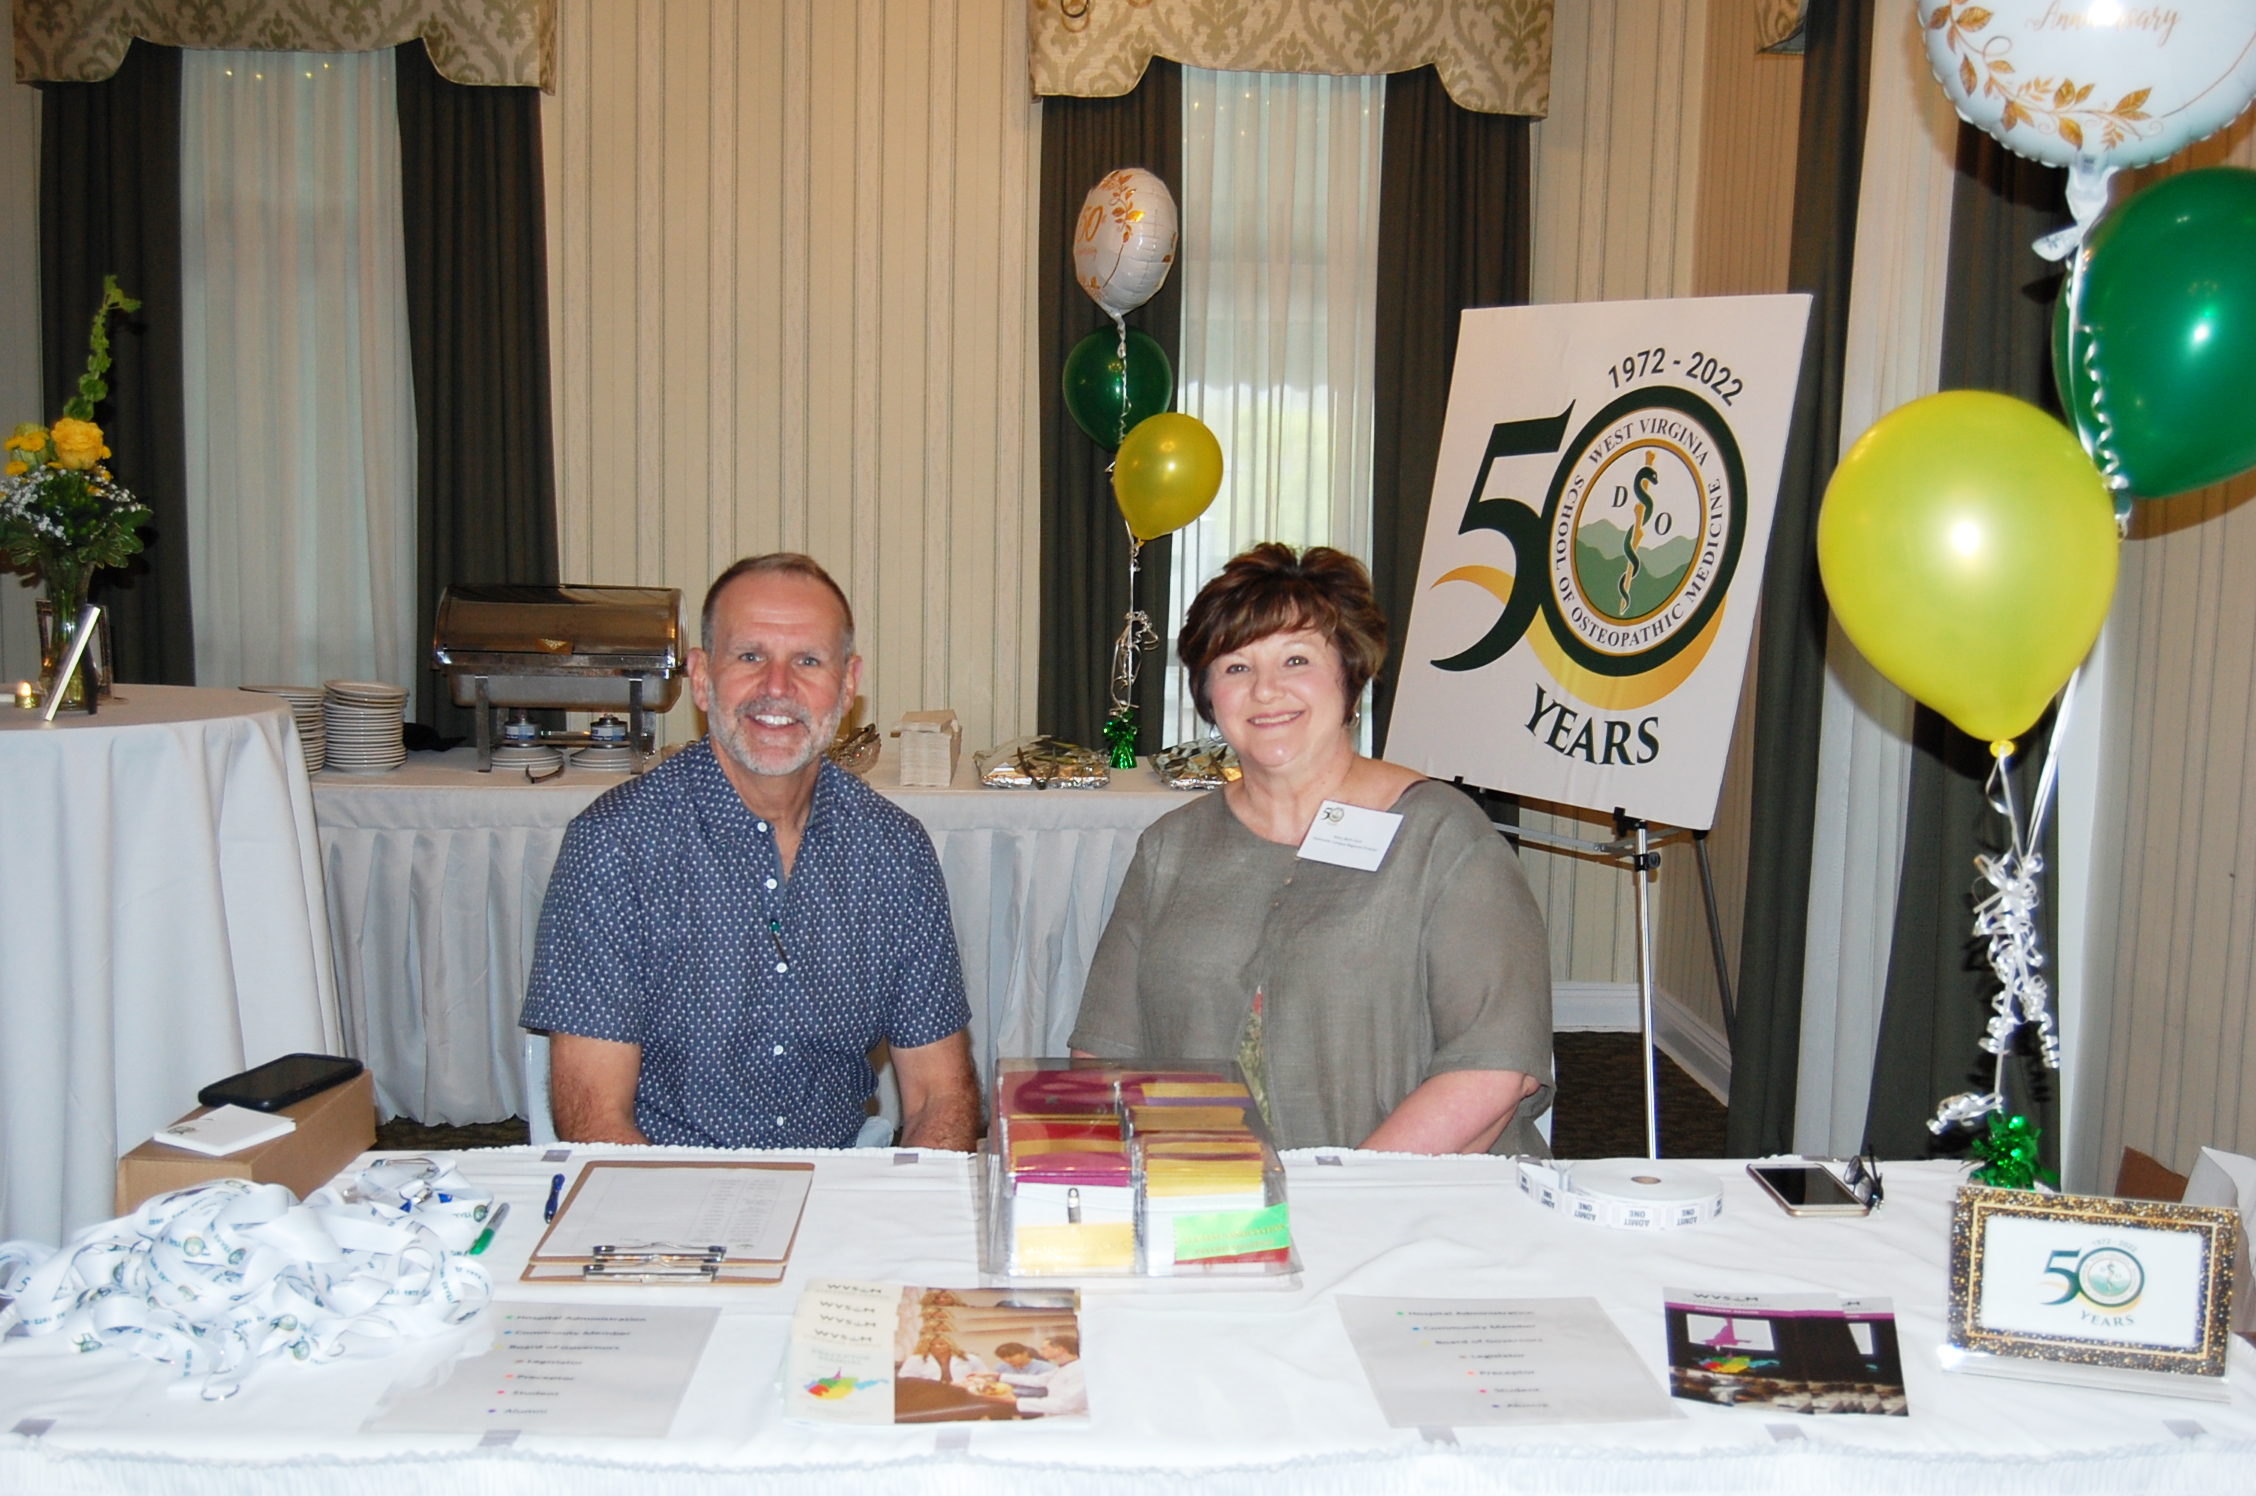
[(1168, 470), (1968, 547)]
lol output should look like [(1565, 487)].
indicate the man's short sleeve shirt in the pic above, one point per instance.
[(756, 998)]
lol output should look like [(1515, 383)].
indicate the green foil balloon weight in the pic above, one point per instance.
[(2154, 338), (1106, 402), (1120, 737), (1968, 549)]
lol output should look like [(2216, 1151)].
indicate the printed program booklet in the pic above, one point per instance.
[(890, 1353), (1785, 1352)]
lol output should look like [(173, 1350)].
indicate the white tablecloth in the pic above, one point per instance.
[(161, 926), (436, 873), (1198, 1392)]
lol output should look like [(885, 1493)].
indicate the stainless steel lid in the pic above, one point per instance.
[(559, 630)]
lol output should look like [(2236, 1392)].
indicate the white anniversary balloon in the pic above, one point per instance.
[(2094, 83), (1124, 244)]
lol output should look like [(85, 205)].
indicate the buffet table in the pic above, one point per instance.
[(436, 873), (1196, 1391), (161, 914)]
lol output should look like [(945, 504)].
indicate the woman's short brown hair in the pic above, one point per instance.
[(1270, 590)]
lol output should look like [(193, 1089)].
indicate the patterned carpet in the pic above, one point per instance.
[(1601, 1106), (1601, 1109)]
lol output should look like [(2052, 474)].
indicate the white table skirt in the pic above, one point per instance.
[(162, 927), (436, 873), (1198, 1391)]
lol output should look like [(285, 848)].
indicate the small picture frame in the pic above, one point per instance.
[(2090, 1288)]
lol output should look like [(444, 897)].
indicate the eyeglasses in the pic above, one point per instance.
[(1862, 1176)]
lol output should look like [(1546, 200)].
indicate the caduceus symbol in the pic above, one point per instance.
[(1630, 564)]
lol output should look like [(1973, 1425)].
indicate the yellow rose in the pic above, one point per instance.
[(78, 444)]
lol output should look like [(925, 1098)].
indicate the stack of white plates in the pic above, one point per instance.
[(305, 705), (363, 726)]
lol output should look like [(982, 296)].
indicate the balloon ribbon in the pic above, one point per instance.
[(2006, 920), (1136, 637)]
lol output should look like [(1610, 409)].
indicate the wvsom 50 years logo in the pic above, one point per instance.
[(1631, 554)]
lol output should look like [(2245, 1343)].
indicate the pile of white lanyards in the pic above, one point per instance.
[(216, 1279)]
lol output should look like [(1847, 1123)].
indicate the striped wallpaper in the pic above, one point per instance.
[(792, 308), (2169, 1061)]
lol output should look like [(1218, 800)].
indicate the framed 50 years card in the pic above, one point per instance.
[(2081, 1288)]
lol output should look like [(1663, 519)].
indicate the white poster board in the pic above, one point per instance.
[(1594, 551)]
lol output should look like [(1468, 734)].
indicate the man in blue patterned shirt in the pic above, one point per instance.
[(727, 937)]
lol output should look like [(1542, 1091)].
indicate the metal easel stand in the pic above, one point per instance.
[(1634, 843)]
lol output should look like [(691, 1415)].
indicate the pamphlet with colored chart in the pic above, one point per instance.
[(1785, 1352), (890, 1353)]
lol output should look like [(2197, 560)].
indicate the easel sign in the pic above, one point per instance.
[(1594, 550)]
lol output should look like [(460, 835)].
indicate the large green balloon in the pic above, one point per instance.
[(1104, 403), (1969, 550), (2155, 335)]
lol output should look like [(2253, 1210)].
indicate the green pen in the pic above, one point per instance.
[(492, 1226)]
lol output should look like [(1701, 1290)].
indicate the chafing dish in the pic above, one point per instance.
[(580, 648)]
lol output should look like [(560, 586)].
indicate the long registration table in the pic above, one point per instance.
[(1195, 1391), (436, 873)]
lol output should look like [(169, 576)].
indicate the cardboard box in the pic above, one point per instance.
[(334, 1128), (930, 745)]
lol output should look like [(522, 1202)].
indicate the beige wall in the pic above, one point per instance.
[(19, 339), (1750, 131), (1665, 169), (2172, 945), (791, 308)]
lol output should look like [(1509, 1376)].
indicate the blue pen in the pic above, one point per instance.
[(555, 1194)]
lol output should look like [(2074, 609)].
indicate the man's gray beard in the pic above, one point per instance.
[(729, 733)]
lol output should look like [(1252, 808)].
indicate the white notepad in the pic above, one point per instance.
[(227, 1129)]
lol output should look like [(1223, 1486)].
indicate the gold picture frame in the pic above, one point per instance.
[(2109, 1275)]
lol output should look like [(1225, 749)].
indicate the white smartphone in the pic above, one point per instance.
[(1808, 1190)]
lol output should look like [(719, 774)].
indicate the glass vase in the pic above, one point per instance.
[(65, 585)]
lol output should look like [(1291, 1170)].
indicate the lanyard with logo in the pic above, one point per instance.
[(216, 1278)]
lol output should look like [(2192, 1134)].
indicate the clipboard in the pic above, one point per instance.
[(715, 1223)]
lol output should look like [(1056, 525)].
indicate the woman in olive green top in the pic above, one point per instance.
[(1408, 1008)]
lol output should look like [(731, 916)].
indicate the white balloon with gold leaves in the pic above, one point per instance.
[(2093, 85), (1124, 244)]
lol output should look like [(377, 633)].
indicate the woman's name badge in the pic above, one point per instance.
[(1350, 836)]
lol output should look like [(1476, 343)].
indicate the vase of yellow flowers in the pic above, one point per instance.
[(61, 513)]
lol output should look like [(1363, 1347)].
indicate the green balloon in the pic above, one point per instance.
[(2155, 335), (1104, 403)]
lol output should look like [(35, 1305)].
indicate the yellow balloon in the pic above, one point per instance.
[(1968, 547), (1168, 470)]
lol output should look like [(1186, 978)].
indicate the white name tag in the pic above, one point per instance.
[(1350, 836)]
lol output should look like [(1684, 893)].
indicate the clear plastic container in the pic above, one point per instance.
[(1158, 1171)]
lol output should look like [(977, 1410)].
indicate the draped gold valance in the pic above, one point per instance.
[(471, 41), (1493, 55)]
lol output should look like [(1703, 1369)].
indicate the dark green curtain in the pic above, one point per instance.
[(1997, 320), (109, 202), (1453, 233), (1790, 650), (1084, 540), (477, 322)]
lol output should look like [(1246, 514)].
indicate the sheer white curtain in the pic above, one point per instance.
[(300, 395), (1895, 352), (1280, 214)]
